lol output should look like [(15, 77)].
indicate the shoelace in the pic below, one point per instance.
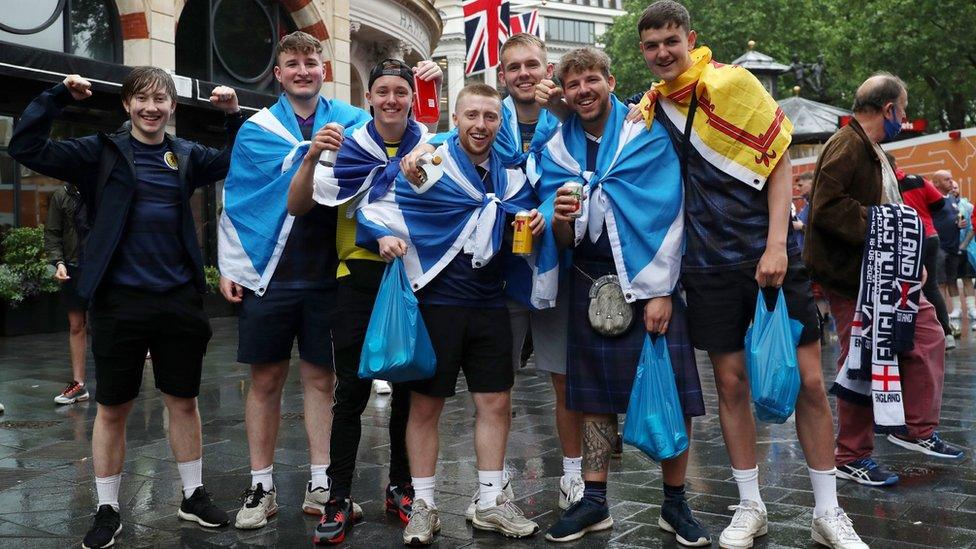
[(845, 526), (250, 498), (870, 465), (103, 519), (739, 520), (512, 508)]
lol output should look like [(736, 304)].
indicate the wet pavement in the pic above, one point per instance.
[(47, 495)]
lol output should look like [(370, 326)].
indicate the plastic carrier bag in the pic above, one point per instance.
[(397, 346), (771, 363), (655, 423)]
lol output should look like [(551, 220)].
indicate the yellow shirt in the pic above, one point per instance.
[(346, 232)]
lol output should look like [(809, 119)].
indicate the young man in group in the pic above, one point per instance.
[(737, 189), (631, 197), (143, 271), (950, 222), (392, 133), (460, 288)]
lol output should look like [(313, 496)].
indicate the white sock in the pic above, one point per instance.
[(572, 467), (748, 482), (108, 490), (264, 477), (824, 491), (490, 485), (970, 302), (423, 488), (320, 478), (191, 475)]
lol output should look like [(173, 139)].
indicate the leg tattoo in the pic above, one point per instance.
[(599, 434)]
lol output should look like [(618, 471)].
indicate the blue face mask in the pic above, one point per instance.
[(892, 127)]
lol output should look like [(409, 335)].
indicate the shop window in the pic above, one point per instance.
[(88, 28)]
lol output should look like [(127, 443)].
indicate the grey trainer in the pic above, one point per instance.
[(424, 524), (505, 518)]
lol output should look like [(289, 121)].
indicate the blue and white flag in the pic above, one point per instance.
[(452, 216), (255, 223), (635, 192), (362, 166)]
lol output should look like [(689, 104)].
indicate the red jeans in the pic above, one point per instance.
[(922, 370)]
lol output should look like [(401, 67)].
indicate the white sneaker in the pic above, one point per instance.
[(955, 314), (950, 342), (423, 526), (748, 523), (259, 505), (971, 315), (836, 530), (1, 408), (473, 506), (570, 491), (505, 518), (382, 387)]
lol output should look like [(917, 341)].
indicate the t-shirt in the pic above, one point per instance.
[(946, 223), (921, 194), (461, 285), (726, 221), (150, 255), (599, 251), (308, 260), (346, 231), (526, 132)]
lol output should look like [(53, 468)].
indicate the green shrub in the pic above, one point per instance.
[(24, 270)]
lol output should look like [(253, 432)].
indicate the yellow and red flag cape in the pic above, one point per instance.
[(739, 127)]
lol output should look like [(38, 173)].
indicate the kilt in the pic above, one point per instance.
[(600, 370)]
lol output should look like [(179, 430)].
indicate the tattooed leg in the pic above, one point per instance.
[(599, 435)]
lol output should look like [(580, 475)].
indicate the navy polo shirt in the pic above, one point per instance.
[(150, 255)]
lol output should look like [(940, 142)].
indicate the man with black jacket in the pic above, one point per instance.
[(143, 271)]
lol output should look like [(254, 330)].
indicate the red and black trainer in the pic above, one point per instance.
[(337, 519), (399, 500)]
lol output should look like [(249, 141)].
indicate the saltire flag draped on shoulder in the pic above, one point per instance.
[(255, 223), (529, 22), (453, 216), (485, 30), (635, 192)]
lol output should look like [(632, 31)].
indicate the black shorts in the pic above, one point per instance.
[(268, 325), (965, 269), (69, 291), (127, 322), (478, 341), (951, 262), (721, 305)]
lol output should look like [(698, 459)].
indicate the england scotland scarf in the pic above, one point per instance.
[(884, 320)]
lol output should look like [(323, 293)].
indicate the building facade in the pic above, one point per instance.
[(203, 43)]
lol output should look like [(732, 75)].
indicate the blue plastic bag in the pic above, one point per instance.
[(397, 346), (655, 422), (774, 373), (971, 252)]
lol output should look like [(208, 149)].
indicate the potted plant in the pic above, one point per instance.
[(213, 303), (28, 291)]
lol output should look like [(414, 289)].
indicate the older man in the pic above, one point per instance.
[(852, 175)]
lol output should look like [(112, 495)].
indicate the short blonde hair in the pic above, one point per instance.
[(477, 89), (298, 41), (524, 40)]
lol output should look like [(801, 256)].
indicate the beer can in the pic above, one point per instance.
[(329, 157), (576, 191), (522, 240)]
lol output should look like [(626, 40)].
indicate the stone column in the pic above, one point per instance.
[(455, 81)]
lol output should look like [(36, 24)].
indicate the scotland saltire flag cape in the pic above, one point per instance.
[(362, 166), (255, 223), (635, 190), (454, 215)]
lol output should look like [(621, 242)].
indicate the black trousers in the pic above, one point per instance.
[(355, 298), (930, 259)]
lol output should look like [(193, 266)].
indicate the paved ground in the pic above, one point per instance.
[(47, 496)]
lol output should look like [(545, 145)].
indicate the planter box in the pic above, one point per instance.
[(41, 314)]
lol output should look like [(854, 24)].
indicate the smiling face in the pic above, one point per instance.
[(390, 98), (300, 74), (587, 93), (667, 51), (522, 67), (150, 111), (477, 118)]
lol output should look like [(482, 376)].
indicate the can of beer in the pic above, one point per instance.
[(576, 191), (522, 240), (329, 157)]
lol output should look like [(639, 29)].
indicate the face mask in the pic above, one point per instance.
[(892, 127)]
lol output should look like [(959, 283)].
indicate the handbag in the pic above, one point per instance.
[(655, 422), (771, 363), (397, 347), (608, 312)]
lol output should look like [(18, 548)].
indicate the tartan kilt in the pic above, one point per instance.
[(600, 370)]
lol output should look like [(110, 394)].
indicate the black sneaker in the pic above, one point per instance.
[(582, 517), (868, 472), (399, 500), (337, 519), (107, 525), (201, 509), (676, 518), (932, 446)]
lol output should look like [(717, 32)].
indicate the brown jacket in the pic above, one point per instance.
[(846, 182)]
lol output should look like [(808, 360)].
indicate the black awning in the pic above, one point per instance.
[(52, 66)]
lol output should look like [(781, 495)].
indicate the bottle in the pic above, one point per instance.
[(426, 105), (430, 170)]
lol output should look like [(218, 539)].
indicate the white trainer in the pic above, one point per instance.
[(473, 506), (570, 491), (748, 522), (382, 387), (259, 505), (836, 530)]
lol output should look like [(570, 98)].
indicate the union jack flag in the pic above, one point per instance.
[(529, 23), (485, 30)]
